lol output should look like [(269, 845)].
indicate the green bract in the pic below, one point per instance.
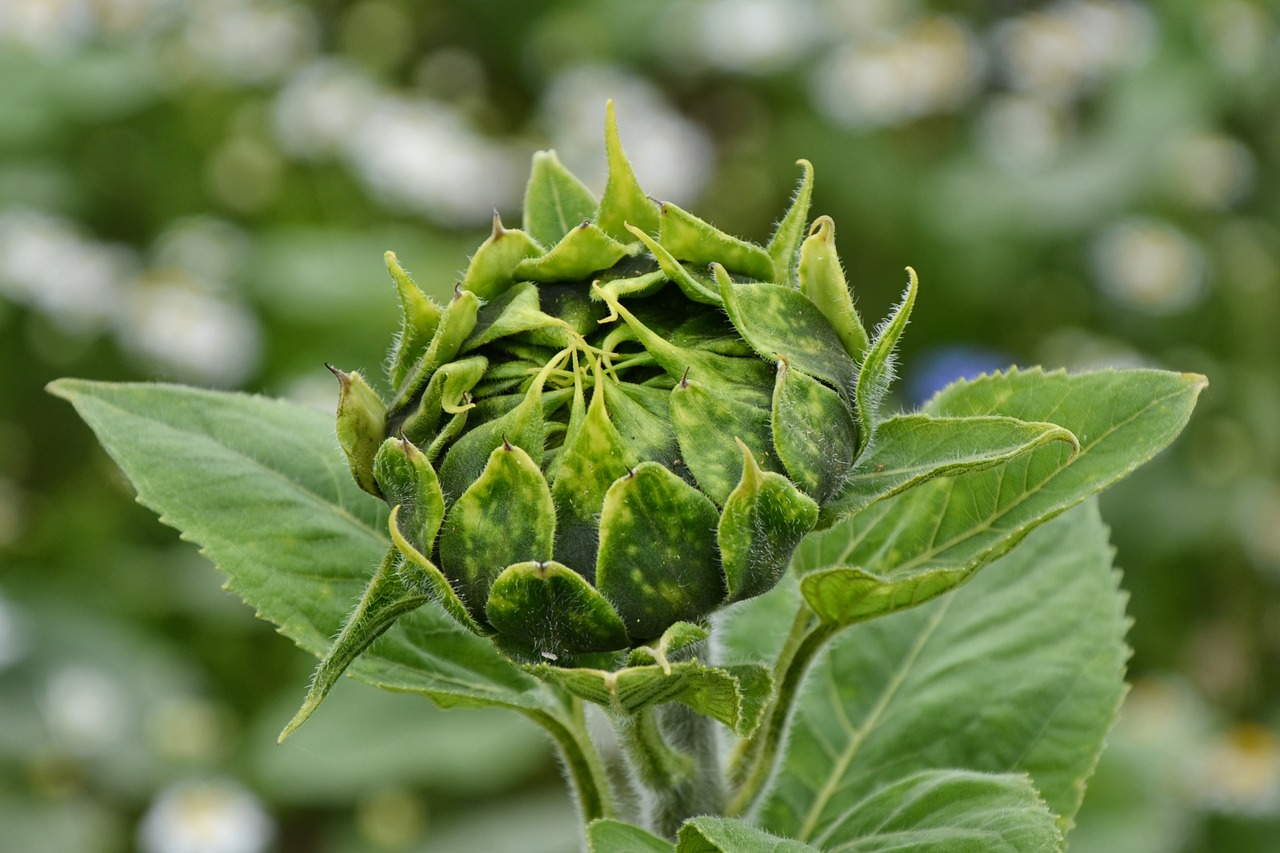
[(623, 420)]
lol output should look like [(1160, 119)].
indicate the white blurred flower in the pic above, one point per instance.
[(47, 27), (1080, 349), (313, 390), (935, 66), (1257, 515), (46, 264), (1240, 771), (213, 250), (206, 817), (247, 41), (671, 155), (1238, 33), (754, 36), (868, 19), (172, 322), (13, 638), (185, 728), (1149, 265), (86, 709), (1210, 170), (130, 17), (1021, 133), (419, 155), (1060, 51), (319, 111)]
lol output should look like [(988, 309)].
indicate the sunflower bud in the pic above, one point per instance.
[(625, 419)]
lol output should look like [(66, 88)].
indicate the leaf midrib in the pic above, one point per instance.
[(855, 743)]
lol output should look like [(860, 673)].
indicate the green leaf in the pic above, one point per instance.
[(623, 200), (814, 433), (385, 600), (947, 811), (1121, 419), (614, 836), (784, 245), (781, 323), (585, 249), (696, 288), (554, 201), (690, 239), (822, 280), (554, 610), (261, 485), (677, 360), (419, 318), (734, 695), (446, 392), (515, 310), (492, 268), (707, 417), (593, 457), (1019, 671), (658, 561), (726, 835), (876, 372), (912, 449), (505, 517), (362, 419), (764, 519), (456, 323)]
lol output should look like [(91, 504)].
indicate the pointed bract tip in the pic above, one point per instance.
[(684, 380), (498, 230), (343, 378), (750, 468), (506, 445)]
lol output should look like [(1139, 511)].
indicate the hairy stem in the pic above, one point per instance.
[(581, 759), (755, 760), (673, 758)]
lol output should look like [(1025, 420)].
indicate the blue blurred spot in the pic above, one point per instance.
[(939, 367)]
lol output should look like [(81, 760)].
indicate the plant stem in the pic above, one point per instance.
[(672, 754), (754, 763), (581, 759)]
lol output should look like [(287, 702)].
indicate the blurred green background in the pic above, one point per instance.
[(201, 191)]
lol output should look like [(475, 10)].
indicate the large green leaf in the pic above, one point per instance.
[(958, 524), (1020, 671), (262, 487), (947, 811), (614, 836), (912, 449), (726, 835)]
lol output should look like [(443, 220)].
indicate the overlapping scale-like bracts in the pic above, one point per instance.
[(624, 418)]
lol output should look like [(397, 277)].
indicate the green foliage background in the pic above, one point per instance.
[(1078, 183)]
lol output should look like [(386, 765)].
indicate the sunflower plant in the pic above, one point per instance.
[(641, 465)]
